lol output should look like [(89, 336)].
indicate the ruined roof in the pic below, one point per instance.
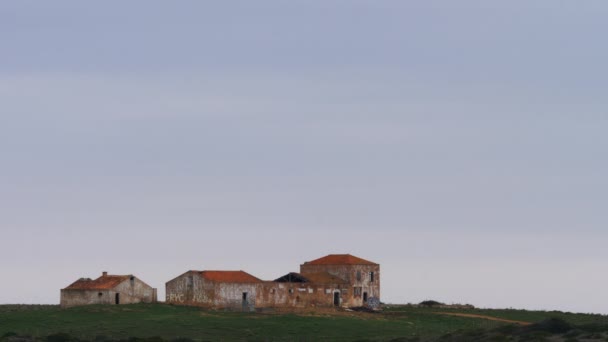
[(292, 277), (229, 276), (105, 282), (324, 278), (340, 259), (318, 277)]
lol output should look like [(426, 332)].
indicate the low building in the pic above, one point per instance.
[(108, 289), (220, 289), (334, 280)]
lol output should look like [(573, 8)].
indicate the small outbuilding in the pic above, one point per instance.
[(108, 289)]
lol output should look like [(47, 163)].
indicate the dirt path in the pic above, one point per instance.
[(483, 317)]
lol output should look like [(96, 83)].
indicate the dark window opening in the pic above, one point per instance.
[(371, 277), (358, 275), (364, 297), (117, 299), (100, 294), (244, 296), (132, 281), (290, 290), (336, 298)]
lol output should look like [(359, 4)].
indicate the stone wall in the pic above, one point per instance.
[(85, 297), (192, 289), (135, 291), (276, 294)]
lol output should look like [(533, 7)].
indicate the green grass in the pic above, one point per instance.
[(171, 322), (511, 314)]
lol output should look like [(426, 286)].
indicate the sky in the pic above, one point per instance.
[(459, 144)]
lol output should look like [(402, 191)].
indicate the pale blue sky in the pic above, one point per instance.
[(459, 144)]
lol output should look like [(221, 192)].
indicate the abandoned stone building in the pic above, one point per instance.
[(333, 280), (108, 289)]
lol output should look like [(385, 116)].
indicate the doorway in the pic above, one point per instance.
[(336, 298), (117, 300), (364, 297), (245, 302)]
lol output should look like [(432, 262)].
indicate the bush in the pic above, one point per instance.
[(551, 325), (147, 339), (60, 337), (430, 303), (594, 327)]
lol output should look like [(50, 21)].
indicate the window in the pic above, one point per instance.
[(132, 281), (371, 277), (358, 275), (100, 294), (290, 290), (357, 291)]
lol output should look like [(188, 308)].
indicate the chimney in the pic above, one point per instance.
[(104, 274)]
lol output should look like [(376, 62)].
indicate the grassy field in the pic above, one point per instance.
[(398, 323)]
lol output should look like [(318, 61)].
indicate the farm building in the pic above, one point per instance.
[(226, 289), (108, 289), (334, 280)]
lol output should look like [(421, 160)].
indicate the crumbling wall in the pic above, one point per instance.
[(299, 295), (192, 289), (182, 289)]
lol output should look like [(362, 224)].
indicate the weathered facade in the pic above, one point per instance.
[(334, 280), (225, 289), (108, 289), (362, 276)]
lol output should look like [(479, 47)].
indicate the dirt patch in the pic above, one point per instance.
[(490, 318)]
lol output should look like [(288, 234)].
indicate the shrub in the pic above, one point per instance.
[(182, 339), (551, 325), (430, 303), (60, 337), (594, 327)]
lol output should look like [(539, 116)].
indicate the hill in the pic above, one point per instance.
[(156, 322)]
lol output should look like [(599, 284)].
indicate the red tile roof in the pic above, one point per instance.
[(229, 276), (105, 282), (339, 259)]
